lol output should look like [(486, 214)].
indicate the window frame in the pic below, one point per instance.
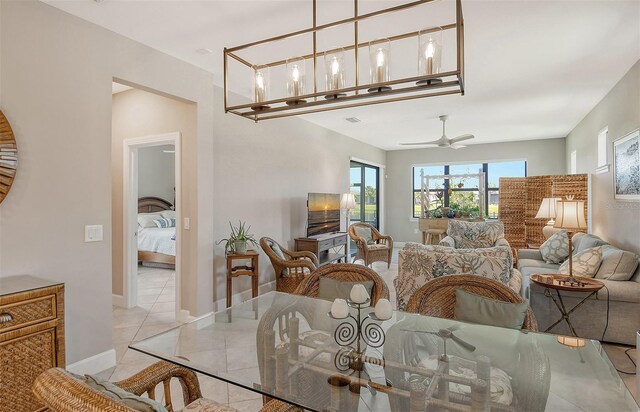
[(487, 189)]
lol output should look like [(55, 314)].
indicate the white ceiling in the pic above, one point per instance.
[(534, 68)]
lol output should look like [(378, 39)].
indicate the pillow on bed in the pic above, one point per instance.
[(146, 219), (168, 214), (164, 223)]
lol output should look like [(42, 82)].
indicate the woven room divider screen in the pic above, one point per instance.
[(520, 198)]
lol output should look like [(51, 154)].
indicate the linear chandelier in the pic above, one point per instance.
[(333, 93)]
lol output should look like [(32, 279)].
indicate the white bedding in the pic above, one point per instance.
[(158, 240)]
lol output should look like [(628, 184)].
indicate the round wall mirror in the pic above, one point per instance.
[(8, 156)]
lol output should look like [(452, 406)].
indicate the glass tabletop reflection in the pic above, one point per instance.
[(287, 347)]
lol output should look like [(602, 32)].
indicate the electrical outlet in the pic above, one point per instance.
[(93, 233)]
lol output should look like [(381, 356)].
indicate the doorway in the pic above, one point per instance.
[(364, 184), (152, 241)]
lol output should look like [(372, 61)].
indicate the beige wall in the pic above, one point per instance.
[(156, 170), (263, 172), (544, 157), (56, 80), (137, 113), (616, 221)]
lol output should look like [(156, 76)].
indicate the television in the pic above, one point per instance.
[(324, 213)]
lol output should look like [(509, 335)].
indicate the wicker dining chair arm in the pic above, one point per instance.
[(300, 263), (159, 372), (387, 239)]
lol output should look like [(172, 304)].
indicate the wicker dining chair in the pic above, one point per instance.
[(371, 245), (290, 267), (345, 272), (60, 391), (530, 374), (438, 297)]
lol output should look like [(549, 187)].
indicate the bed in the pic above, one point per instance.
[(155, 244)]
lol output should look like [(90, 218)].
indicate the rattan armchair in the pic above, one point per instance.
[(378, 248), (346, 272), (438, 297), (291, 270), (60, 391)]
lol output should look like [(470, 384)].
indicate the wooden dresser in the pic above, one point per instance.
[(31, 337)]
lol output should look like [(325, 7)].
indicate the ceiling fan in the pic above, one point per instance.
[(444, 141)]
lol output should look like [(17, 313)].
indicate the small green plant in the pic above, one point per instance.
[(238, 239)]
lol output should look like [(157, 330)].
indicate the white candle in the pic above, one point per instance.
[(383, 309), (359, 293), (339, 309)]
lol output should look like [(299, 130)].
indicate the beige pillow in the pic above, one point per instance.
[(617, 264), (585, 263), (486, 311), (147, 219)]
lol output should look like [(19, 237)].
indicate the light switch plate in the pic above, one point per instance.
[(93, 233), (187, 223)]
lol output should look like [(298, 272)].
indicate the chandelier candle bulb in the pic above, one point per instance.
[(379, 64), (339, 309), (429, 54), (383, 309), (359, 294), (295, 79)]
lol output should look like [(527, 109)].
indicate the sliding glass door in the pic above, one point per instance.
[(364, 184)]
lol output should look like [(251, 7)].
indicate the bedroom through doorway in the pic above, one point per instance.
[(149, 225)]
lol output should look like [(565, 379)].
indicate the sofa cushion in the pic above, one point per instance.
[(616, 264), (556, 248), (485, 311), (471, 235), (585, 263), (582, 241), (528, 271), (116, 393), (620, 291), (534, 263)]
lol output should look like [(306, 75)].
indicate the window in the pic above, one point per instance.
[(459, 193)]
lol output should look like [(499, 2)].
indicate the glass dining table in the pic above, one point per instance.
[(287, 347)]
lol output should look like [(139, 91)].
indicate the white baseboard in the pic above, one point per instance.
[(94, 364), (118, 300), (221, 304)]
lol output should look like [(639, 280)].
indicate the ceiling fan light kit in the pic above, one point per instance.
[(429, 81)]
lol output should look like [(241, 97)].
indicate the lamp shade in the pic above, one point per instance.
[(348, 201), (570, 215), (548, 208)]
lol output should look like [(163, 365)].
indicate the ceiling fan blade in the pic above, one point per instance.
[(461, 138), (419, 143)]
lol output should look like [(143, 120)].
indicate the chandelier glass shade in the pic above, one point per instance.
[(293, 85)]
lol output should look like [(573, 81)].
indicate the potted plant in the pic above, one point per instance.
[(238, 239)]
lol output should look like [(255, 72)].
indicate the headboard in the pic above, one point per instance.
[(152, 204)]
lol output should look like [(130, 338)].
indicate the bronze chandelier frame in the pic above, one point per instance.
[(404, 89)]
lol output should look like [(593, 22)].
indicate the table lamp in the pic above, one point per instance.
[(547, 210), (570, 217), (348, 203)]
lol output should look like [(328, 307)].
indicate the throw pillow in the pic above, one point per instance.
[(280, 254), (168, 214), (146, 219), (471, 235), (164, 223), (479, 309), (127, 398), (617, 264), (582, 241), (556, 248), (365, 233), (331, 289), (585, 263)]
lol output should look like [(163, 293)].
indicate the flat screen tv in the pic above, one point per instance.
[(324, 213)]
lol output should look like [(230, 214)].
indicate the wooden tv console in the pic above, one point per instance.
[(328, 248)]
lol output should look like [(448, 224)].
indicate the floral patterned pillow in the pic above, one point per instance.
[(556, 248), (585, 263), (473, 235)]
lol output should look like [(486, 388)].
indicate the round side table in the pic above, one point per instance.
[(550, 282)]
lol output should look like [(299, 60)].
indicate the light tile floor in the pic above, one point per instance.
[(156, 313)]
